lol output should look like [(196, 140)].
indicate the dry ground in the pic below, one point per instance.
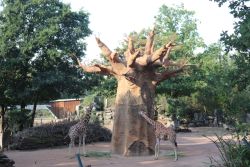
[(193, 147)]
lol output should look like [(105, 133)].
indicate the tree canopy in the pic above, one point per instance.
[(239, 41), (36, 37)]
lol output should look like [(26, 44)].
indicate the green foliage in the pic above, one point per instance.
[(242, 129), (184, 108), (238, 105), (88, 99), (105, 87), (215, 86), (43, 113), (232, 154), (161, 103), (179, 25), (18, 120), (35, 40), (98, 100), (239, 41)]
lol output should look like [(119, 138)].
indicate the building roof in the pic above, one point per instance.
[(66, 100)]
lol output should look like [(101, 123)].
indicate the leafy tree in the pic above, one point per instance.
[(239, 41), (216, 69), (238, 105), (180, 25), (237, 45), (35, 39), (18, 120)]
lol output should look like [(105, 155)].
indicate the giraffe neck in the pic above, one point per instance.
[(86, 118), (150, 121)]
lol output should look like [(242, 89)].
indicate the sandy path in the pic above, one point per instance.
[(194, 148)]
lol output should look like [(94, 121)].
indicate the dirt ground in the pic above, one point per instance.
[(194, 150)]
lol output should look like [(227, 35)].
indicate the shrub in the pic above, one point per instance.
[(232, 153), (55, 134), (18, 120)]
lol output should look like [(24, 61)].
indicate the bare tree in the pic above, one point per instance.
[(137, 78)]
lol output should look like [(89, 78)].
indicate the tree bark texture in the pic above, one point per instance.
[(137, 78), (131, 134)]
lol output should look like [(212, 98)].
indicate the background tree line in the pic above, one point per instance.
[(36, 38)]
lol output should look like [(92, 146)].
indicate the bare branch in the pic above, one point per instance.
[(105, 69), (111, 56), (105, 50), (152, 48), (149, 44), (131, 48), (167, 62), (162, 52), (132, 58), (97, 68), (114, 57), (167, 74)]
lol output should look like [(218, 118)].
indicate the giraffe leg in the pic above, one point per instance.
[(73, 145), (79, 144), (157, 148), (83, 145), (70, 147), (155, 151), (175, 151)]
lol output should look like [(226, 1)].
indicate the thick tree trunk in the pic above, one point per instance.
[(137, 77), (131, 134)]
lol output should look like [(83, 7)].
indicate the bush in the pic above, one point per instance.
[(18, 120), (94, 98), (232, 153), (55, 134)]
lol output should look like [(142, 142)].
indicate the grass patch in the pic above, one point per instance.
[(171, 154), (98, 154)]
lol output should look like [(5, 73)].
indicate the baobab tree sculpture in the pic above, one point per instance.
[(137, 78)]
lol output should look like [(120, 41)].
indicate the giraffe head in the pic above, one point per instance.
[(88, 110)]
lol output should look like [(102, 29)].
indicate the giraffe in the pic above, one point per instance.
[(80, 130), (161, 133)]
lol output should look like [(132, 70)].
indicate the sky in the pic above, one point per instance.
[(111, 20)]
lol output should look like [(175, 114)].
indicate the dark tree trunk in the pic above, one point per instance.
[(21, 125), (33, 113), (2, 126), (22, 106)]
